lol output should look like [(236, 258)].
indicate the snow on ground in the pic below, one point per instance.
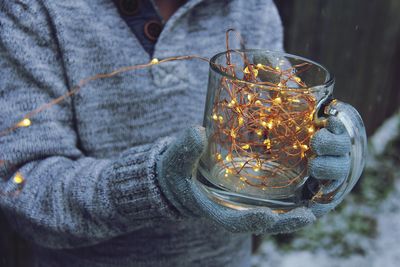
[(384, 250)]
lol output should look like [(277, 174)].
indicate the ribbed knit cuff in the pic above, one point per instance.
[(133, 186)]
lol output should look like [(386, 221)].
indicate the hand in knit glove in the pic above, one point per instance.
[(176, 164), (333, 162), (331, 145), (174, 175)]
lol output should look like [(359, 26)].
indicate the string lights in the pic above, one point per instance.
[(257, 122), (26, 122), (261, 133)]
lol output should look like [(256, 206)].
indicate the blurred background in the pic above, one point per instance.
[(359, 42)]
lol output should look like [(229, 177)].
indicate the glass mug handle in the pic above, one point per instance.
[(354, 126)]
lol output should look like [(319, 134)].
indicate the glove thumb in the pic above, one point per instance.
[(182, 155)]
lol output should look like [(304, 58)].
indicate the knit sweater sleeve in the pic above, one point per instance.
[(67, 199)]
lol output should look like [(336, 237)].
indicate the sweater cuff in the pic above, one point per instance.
[(133, 183)]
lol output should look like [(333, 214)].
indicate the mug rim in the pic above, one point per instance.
[(329, 80)]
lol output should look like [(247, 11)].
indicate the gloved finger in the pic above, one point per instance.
[(320, 209), (335, 125), (293, 220), (253, 220), (182, 155), (329, 167), (236, 221), (325, 142)]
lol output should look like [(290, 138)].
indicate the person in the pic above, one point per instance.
[(107, 171)]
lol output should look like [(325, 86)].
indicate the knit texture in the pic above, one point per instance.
[(91, 196)]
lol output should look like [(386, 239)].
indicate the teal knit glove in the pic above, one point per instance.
[(175, 168)]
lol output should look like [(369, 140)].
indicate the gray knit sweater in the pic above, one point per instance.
[(91, 196)]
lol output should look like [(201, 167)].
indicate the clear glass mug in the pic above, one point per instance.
[(262, 109)]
